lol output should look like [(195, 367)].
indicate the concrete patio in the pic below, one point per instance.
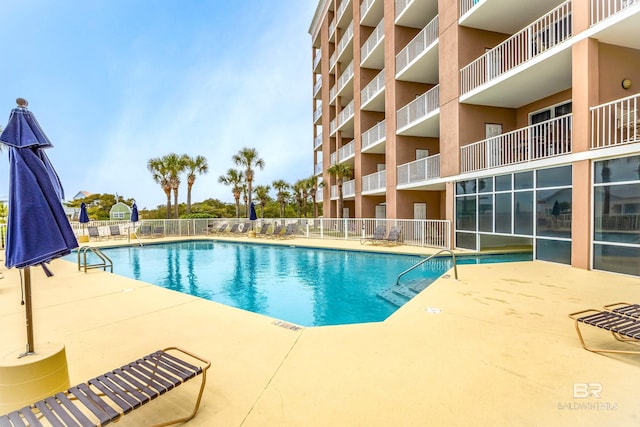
[(493, 348)]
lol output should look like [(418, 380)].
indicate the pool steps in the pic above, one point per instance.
[(398, 295)]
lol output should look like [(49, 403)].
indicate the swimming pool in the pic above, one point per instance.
[(305, 286)]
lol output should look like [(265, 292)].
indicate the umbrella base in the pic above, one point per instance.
[(83, 239), (24, 380)]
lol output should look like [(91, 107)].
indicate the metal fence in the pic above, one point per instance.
[(424, 233)]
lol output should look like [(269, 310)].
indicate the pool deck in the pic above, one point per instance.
[(494, 348)]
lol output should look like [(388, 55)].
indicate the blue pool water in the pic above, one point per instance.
[(308, 287)]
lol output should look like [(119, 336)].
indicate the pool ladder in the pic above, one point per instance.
[(455, 267), (105, 261)]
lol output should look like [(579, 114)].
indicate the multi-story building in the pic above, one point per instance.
[(516, 120)]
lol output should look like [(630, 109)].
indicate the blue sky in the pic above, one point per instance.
[(114, 83)]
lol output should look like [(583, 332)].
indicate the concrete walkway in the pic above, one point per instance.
[(493, 348)]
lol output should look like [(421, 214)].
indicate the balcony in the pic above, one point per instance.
[(374, 184), (348, 190), (317, 114), (502, 16), (419, 171), (318, 168), (506, 75), (616, 123), (345, 82), (371, 12), (372, 96), (616, 22), (316, 60), (317, 141), (316, 88), (344, 13), (373, 140), (543, 140), (333, 126), (372, 52), (345, 46), (422, 116), (415, 13), (333, 93), (332, 28), (333, 59), (345, 119), (418, 61), (603, 9), (346, 152)]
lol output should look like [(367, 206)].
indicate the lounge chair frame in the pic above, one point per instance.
[(621, 319), (108, 397), (378, 237)]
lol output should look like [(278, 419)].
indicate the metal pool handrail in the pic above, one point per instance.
[(455, 267)]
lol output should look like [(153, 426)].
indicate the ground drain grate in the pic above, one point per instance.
[(287, 325)]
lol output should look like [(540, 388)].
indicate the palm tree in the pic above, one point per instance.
[(298, 195), (281, 187), (176, 165), (197, 165), (248, 157), (340, 171), (234, 179), (262, 194), (313, 190), (161, 175)]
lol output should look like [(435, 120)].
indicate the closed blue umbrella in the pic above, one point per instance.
[(37, 228), (84, 216), (252, 212), (134, 213)]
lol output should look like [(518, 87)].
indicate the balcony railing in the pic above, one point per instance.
[(616, 123), (416, 110), (332, 60), (333, 92), (552, 29), (467, 5), (318, 168), (317, 58), (546, 139), (365, 6), (373, 88), (332, 27), (419, 170), (374, 39), (334, 158), (342, 8), (333, 126), (375, 135), (317, 141), (374, 182), (418, 45), (346, 75), (401, 5), (348, 190), (602, 9), (346, 114), (317, 113), (346, 38), (346, 151), (317, 86)]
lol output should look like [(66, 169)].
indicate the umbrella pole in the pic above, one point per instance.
[(29, 312)]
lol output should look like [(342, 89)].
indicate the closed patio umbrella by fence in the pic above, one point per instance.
[(84, 216), (252, 212), (38, 229)]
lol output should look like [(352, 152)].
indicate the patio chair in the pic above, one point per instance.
[(233, 229), (623, 322), (144, 231), (290, 232), (107, 398), (94, 233), (394, 237), (378, 236), (263, 230), (114, 231), (245, 228), (158, 232), (277, 231)]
